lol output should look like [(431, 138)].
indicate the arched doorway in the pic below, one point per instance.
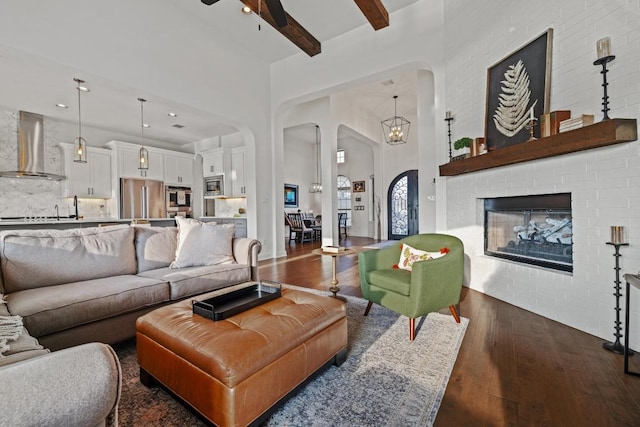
[(402, 205)]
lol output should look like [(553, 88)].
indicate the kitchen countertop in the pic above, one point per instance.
[(97, 220), (80, 221)]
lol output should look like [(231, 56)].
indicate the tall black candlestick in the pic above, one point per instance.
[(616, 347), (448, 120), (605, 98)]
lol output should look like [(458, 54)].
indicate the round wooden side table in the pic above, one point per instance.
[(334, 255)]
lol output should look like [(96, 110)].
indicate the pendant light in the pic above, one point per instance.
[(316, 187), (396, 129), (143, 158), (79, 144)]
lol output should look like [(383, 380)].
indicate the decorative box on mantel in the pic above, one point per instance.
[(608, 132)]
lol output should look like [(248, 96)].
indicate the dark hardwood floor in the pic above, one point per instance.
[(514, 368)]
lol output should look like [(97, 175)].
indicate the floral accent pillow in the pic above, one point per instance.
[(409, 255)]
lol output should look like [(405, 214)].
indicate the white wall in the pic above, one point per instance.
[(299, 158), (605, 182), (358, 166)]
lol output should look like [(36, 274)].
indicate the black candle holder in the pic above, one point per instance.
[(616, 346), (448, 120), (605, 98)]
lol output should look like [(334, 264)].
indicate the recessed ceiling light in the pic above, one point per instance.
[(172, 115), (246, 10), (61, 106), (177, 126), (146, 125), (388, 82)]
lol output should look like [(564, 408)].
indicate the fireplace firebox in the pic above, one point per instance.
[(536, 230)]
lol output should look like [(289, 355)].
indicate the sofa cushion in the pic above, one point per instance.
[(155, 247), (190, 281), (201, 243), (54, 257), (56, 308)]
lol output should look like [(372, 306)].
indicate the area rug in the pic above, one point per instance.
[(386, 379)]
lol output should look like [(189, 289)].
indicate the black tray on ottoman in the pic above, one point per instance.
[(226, 305)]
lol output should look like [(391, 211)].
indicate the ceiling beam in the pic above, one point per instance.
[(375, 12), (293, 30)]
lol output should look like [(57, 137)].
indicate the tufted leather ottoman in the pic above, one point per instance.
[(233, 371)]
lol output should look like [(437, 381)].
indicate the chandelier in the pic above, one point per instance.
[(395, 129), (80, 144), (316, 187)]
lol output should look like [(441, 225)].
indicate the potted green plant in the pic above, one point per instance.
[(462, 147)]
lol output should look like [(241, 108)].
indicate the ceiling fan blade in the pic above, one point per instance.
[(277, 11), (209, 2)]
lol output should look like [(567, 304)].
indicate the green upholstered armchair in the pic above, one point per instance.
[(431, 285)]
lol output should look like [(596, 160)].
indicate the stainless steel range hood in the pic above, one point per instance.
[(31, 149)]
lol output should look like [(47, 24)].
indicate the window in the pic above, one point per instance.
[(344, 197), (340, 156)]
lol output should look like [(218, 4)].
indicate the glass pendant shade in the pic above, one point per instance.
[(80, 150), (143, 157), (80, 144), (143, 163), (316, 187), (396, 129)]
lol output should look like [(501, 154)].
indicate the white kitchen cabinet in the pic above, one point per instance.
[(238, 182), (128, 162), (213, 162), (178, 170), (87, 180)]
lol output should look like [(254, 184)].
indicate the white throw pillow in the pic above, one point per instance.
[(202, 243), (409, 255)]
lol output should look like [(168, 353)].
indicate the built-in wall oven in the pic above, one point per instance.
[(179, 202)]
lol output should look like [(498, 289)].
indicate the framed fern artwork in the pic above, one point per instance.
[(518, 88)]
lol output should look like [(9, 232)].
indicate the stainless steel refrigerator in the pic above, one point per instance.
[(142, 198)]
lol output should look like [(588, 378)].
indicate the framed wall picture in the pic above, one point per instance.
[(518, 89), (290, 196), (358, 186)]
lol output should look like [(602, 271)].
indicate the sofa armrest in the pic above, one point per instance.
[(245, 251), (375, 259), (77, 386)]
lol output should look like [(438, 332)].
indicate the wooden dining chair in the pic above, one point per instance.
[(297, 226)]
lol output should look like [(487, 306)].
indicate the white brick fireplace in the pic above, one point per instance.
[(604, 182), (605, 188)]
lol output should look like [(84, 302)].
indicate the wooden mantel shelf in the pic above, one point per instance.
[(614, 131)]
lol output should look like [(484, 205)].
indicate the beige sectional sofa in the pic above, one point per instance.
[(78, 290), (91, 284)]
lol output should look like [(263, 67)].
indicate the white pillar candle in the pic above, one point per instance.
[(617, 234), (603, 47), (531, 117), (449, 115)]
